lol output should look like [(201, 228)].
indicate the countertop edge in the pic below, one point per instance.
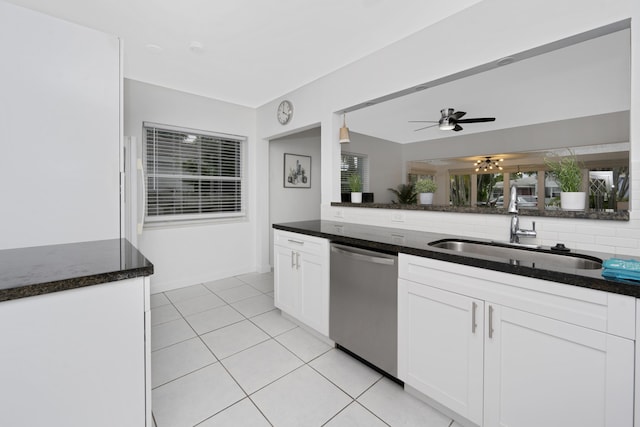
[(39, 270), (73, 283), (597, 283)]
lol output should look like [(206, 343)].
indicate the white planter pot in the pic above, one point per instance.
[(426, 198), (573, 201), (356, 197)]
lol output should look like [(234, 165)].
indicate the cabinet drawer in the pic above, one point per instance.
[(300, 242), (598, 310)]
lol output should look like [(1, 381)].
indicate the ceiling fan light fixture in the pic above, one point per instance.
[(446, 124), (344, 131)]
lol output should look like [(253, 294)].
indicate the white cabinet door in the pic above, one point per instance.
[(314, 292), (301, 278), (440, 342), (544, 372), (286, 280)]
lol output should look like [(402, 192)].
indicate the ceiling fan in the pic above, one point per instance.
[(450, 120)]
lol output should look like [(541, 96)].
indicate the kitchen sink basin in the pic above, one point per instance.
[(518, 255)]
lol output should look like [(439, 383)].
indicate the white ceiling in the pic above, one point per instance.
[(252, 51), (586, 79)]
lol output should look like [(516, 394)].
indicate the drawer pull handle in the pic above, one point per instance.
[(297, 242)]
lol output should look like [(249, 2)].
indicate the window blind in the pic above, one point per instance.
[(354, 164), (193, 174)]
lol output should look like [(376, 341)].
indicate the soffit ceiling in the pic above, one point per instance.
[(248, 52), (586, 79)]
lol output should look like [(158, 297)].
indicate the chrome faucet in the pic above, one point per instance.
[(514, 230)]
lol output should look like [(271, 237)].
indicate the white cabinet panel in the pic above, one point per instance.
[(543, 372), (551, 353), (286, 283), (75, 358), (441, 346), (603, 311), (314, 298), (301, 278)]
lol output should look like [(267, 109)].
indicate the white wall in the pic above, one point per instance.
[(59, 131), (483, 33), (385, 163), (294, 204), (189, 254)]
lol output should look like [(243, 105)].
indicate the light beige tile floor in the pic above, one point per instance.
[(222, 355)]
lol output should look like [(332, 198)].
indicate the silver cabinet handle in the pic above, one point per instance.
[(490, 322), (297, 260), (474, 325), (293, 259), (297, 242)]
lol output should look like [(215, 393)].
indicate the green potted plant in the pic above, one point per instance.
[(425, 187), (406, 194), (567, 172), (355, 185)]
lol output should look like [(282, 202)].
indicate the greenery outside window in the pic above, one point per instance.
[(192, 174), (490, 188), (460, 190)]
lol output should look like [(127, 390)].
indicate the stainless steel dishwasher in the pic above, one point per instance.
[(363, 305)]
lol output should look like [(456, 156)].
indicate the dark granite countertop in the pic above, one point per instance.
[(394, 241), (26, 272)]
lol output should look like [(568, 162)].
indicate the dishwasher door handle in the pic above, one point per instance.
[(362, 257)]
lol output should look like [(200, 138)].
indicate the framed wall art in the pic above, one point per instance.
[(297, 171)]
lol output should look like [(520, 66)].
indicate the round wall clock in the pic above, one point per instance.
[(285, 112)]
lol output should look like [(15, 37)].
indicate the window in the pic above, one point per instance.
[(193, 175), (460, 190), (490, 189), (354, 164)]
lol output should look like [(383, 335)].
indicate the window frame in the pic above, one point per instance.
[(185, 218), (363, 171)]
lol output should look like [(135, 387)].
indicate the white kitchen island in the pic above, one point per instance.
[(74, 322)]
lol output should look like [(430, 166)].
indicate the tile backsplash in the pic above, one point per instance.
[(617, 237)]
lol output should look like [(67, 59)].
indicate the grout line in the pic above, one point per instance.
[(240, 351), (184, 375), (338, 413), (277, 379), (265, 331), (260, 410), (216, 357), (336, 385), (373, 413), (220, 411)]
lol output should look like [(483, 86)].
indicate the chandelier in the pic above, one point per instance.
[(488, 164)]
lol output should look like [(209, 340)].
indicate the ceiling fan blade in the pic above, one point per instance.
[(458, 128), (426, 127), (477, 120), (422, 121), (458, 115)]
